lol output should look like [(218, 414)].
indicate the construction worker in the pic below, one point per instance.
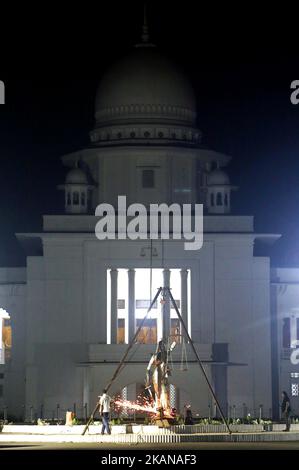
[(105, 404)]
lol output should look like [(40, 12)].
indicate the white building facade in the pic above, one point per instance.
[(79, 301)]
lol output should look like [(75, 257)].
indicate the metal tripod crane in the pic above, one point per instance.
[(165, 291)]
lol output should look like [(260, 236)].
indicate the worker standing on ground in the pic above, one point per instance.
[(286, 410), (188, 416), (105, 403)]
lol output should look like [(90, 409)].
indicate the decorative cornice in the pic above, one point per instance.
[(146, 133), (145, 111)]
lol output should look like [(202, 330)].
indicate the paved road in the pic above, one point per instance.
[(154, 447)]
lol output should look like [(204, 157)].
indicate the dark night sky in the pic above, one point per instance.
[(241, 67)]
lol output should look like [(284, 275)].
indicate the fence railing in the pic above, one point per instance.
[(57, 414), (82, 412)]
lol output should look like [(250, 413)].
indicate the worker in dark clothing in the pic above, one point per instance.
[(188, 415), (286, 410)]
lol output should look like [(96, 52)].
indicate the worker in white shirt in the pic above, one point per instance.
[(105, 403)]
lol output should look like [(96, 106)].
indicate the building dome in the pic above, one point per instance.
[(76, 176), (145, 86), (218, 177)]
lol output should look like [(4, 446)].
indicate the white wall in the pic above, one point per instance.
[(243, 321), (67, 299)]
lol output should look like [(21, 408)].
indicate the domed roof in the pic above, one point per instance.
[(76, 176), (145, 85), (218, 177)]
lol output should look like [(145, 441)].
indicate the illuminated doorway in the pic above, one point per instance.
[(6, 337), (144, 279)]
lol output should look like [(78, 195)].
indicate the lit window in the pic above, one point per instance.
[(7, 339), (142, 304), (148, 332), (121, 331), (148, 179), (295, 375), (295, 390), (121, 304)]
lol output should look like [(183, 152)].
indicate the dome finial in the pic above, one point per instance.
[(145, 33)]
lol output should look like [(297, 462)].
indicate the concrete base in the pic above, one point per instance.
[(146, 429), (128, 439), (145, 434), (138, 429)]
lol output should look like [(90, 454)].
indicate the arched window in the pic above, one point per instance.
[(219, 199), (212, 199)]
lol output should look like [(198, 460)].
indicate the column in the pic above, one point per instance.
[(86, 389), (166, 307), (219, 375), (229, 199), (66, 198), (131, 306), (184, 298), (293, 331), (114, 305)]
